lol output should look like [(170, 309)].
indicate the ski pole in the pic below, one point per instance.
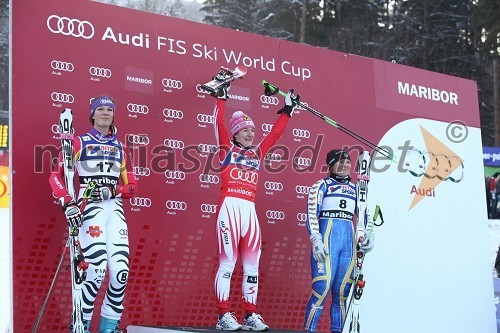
[(274, 90)]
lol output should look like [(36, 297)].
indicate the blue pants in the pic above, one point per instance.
[(335, 274)]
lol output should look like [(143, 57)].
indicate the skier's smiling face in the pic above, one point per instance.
[(103, 117), (245, 136), (341, 168)]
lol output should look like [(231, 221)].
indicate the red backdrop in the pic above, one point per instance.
[(65, 52)]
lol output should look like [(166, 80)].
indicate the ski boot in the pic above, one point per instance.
[(107, 325), (86, 325)]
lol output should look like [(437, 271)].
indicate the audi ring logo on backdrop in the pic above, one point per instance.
[(139, 139), (170, 113), (299, 107), (140, 202), (208, 208), (248, 176), (102, 72), (302, 161), (210, 179), (175, 174), (301, 133), (205, 148), (273, 157), (55, 129), (137, 108), (170, 83), (272, 100), (205, 118), (301, 189), (273, 186), (175, 205), (267, 127), (174, 144), (200, 90), (62, 65), (275, 214), (141, 171), (61, 97), (70, 27), (431, 165), (301, 217)]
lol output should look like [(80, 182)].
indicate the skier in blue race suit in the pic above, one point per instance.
[(330, 222)]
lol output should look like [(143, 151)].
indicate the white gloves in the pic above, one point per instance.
[(368, 239), (100, 194), (73, 214), (318, 248)]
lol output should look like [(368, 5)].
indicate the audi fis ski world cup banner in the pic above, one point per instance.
[(429, 270)]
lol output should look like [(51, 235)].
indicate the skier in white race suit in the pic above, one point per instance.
[(238, 230), (101, 158)]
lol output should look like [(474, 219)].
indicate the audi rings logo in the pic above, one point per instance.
[(272, 100), (170, 83), (175, 205), (62, 66), (174, 144), (273, 157), (299, 106), (301, 189), (302, 161), (101, 72), (70, 27), (199, 90), (140, 202), (137, 108), (170, 113), (210, 179), (301, 133), (55, 129), (273, 186), (275, 215), (301, 217), (205, 118), (431, 165), (175, 174), (141, 171), (206, 148), (138, 139), (61, 97), (267, 127), (208, 208), (244, 175)]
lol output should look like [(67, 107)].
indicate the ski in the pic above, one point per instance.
[(225, 75), (78, 264)]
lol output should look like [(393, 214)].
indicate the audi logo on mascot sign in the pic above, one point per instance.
[(174, 144), (275, 215), (273, 186), (302, 161), (244, 175), (62, 97), (62, 66), (137, 108), (70, 27), (170, 83), (138, 139), (272, 100), (140, 202), (206, 148), (175, 114), (141, 171), (205, 118), (301, 133), (175, 205), (267, 127), (208, 208), (101, 72), (210, 179), (301, 217), (301, 189), (175, 175)]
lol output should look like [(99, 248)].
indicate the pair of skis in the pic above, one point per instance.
[(77, 261)]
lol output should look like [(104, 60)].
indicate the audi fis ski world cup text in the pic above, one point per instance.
[(85, 29)]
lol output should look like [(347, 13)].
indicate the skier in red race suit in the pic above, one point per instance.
[(238, 229), (101, 158)]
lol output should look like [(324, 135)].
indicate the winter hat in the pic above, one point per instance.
[(101, 101), (239, 121), (336, 155)]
